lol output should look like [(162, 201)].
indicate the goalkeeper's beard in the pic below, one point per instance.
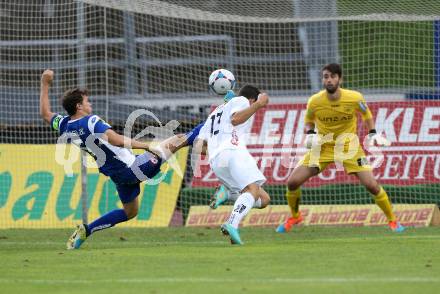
[(331, 89)]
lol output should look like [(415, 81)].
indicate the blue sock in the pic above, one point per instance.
[(192, 135), (106, 221)]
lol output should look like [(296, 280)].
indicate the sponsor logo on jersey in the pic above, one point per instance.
[(234, 140), (336, 118)]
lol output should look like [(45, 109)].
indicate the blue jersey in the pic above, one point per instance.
[(86, 133)]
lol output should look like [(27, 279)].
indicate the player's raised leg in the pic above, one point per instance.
[(381, 198), (166, 148), (293, 195)]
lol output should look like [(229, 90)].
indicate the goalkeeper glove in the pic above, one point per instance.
[(229, 95), (312, 139), (378, 139)]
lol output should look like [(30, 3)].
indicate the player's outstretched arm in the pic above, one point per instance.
[(46, 81), (241, 116)]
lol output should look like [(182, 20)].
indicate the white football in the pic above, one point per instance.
[(221, 81)]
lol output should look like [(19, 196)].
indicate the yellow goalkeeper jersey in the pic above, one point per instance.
[(337, 117)]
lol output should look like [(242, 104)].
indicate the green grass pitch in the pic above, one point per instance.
[(184, 260)]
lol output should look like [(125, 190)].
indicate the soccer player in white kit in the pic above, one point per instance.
[(225, 132)]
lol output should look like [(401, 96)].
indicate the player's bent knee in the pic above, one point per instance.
[(131, 213), (373, 188), (292, 185), (265, 200), (253, 189), (264, 197)]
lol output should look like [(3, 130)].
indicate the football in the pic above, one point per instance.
[(221, 81)]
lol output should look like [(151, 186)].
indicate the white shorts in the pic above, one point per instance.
[(236, 169)]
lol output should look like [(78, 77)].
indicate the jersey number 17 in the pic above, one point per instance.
[(213, 117)]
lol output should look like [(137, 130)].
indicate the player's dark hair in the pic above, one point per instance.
[(249, 91), (334, 68), (71, 98)]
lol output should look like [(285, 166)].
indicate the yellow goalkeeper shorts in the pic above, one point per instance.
[(352, 163)]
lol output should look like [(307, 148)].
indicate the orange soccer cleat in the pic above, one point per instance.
[(289, 223), (395, 226)]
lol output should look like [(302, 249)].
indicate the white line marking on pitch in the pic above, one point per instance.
[(230, 280), (395, 236)]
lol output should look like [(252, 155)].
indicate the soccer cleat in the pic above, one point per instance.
[(233, 234), (395, 226), (289, 223), (78, 237), (229, 95), (220, 196)]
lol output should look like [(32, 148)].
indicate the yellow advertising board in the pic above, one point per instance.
[(323, 215), (36, 192)]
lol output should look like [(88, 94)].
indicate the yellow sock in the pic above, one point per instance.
[(384, 203), (293, 198)]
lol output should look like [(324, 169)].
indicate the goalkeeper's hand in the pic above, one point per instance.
[(377, 139), (312, 139)]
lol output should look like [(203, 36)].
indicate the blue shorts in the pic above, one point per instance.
[(128, 180)]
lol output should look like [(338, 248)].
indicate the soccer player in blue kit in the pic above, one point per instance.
[(109, 149)]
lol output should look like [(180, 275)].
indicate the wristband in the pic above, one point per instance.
[(310, 132), (372, 131)]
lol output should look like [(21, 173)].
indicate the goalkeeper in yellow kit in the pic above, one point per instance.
[(331, 121)]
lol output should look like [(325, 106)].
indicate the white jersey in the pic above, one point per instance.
[(219, 132)]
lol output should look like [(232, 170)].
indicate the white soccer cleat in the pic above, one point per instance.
[(78, 237)]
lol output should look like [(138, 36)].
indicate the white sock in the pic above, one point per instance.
[(242, 206), (257, 203)]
